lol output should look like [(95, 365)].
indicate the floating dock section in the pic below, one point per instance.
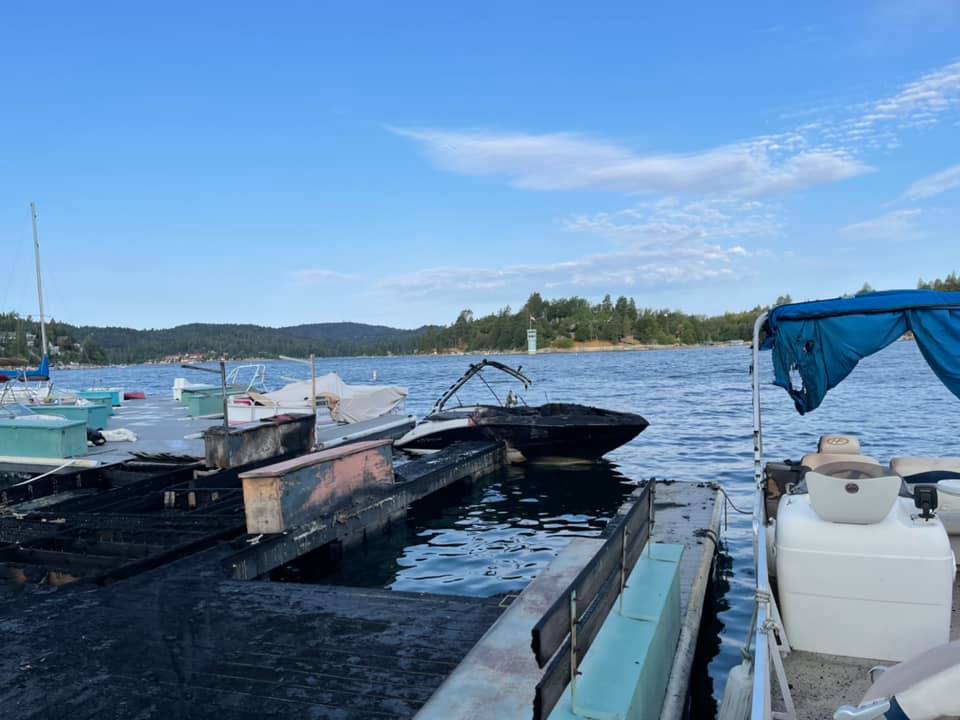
[(139, 591), (633, 649), (378, 505)]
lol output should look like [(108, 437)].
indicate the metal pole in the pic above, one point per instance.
[(757, 428), (623, 564), (760, 700), (223, 388), (313, 386), (573, 649), (36, 254)]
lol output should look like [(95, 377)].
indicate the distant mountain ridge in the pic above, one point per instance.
[(560, 323), (247, 340), (351, 332)]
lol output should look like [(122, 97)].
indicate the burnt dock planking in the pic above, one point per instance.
[(159, 613), (178, 638), (185, 642)]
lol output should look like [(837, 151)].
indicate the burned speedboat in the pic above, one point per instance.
[(554, 430)]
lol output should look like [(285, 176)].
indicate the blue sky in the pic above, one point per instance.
[(395, 162)]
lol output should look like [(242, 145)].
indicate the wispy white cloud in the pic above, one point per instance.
[(934, 184), (672, 222), (824, 149), (569, 161), (891, 226), (625, 271), (699, 216), (320, 275), (920, 103)]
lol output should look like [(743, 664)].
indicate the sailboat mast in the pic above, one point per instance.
[(36, 253)]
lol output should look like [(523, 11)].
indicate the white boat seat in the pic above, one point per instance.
[(814, 461), (926, 469), (838, 445), (942, 472), (862, 500), (853, 469), (925, 686)]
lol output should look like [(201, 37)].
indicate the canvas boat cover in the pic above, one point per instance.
[(347, 403), (823, 341)]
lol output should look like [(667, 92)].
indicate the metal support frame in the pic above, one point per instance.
[(312, 362), (562, 637), (256, 380), (574, 650), (222, 372), (769, 636)]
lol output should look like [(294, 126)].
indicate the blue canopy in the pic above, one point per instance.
[(824, 340)]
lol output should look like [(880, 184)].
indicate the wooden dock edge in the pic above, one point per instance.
[(677, 697), (415, 480)]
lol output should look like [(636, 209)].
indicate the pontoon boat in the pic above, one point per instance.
[(855, 560)]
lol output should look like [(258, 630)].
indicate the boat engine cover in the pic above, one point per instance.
[(881, 591)]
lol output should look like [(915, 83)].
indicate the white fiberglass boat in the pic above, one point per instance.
[(337, 401), (855, 560)]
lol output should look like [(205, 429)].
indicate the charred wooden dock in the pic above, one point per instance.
[(133, 593), (179, 638)]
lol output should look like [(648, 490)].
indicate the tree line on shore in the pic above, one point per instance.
[(560, 323)]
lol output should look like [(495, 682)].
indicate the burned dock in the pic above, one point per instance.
[(139, 592)]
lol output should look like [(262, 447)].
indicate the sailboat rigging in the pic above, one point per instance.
[(41, 373)]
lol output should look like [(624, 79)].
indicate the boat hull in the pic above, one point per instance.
[(554, 431)]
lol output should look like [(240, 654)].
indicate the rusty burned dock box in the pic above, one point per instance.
[(282, 496), (280, 435)]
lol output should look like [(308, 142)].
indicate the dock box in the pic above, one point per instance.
[(95, 415), (291, 493), (271, 438), (79, 413), (116, 394), (100, 397), (209, 402), (98, 416), (187, 392), (206, 401), (42, 436)]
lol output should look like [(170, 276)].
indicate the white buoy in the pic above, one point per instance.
[(737, 694)]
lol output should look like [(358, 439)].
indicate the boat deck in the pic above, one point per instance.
[(822, 683)]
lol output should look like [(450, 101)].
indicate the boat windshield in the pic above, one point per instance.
[(504, 386)]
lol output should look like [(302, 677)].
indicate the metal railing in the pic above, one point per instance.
[(767, 634), (562, 637)]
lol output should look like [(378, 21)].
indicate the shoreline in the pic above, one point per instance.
[(588, 348)]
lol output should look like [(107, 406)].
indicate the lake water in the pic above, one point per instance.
[(493, 537)]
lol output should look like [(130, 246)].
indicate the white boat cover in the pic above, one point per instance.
[(347, 403)]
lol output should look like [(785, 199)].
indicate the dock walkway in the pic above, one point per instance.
[(498, 678), (185, 642), (182, 640)]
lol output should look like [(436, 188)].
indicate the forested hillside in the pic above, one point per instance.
[(560, 323)]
